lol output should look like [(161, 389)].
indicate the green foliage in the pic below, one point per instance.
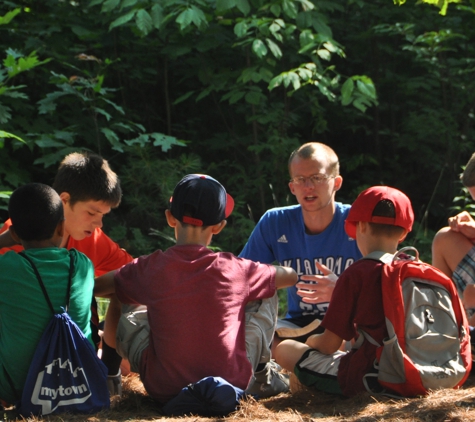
[(441, 4), (230, 88)]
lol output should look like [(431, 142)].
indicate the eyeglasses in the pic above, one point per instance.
[(316, 179)]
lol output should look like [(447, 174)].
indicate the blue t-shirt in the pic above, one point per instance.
[(280, 236)]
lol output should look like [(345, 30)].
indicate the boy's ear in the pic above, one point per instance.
[(172, 221), (403, 236), (363, 225), (65, 197), (14, 235), (218, 227)]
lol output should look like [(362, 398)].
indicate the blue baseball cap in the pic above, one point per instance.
[(200, 200)]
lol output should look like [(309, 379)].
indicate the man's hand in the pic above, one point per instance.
[(464, 224), (319, 292)]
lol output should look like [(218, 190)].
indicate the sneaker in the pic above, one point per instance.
[(269, 382), (114, 384)]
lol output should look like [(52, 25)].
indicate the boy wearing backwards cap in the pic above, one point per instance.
[(195, 298), (379, 220)]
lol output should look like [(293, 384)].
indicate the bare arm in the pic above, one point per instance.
[(285, 277), (104, 285), (327, 342)]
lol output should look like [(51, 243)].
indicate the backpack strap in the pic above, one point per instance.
[(40, 281)]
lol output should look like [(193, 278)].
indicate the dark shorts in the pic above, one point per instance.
[(320, 371)]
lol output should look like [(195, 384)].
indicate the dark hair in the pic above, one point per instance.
[(385, 208), (87, 176), (35, 210)]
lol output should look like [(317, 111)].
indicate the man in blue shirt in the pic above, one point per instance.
[(309, 237)]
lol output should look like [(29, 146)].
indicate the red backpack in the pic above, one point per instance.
[(428, 344)]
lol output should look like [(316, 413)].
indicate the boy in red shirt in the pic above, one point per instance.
[(194, 322), (379, 220)]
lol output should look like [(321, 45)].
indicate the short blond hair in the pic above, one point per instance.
[(316, 150)]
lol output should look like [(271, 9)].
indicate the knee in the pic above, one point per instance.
[(443, 239)]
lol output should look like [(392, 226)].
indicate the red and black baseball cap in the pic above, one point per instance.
[(200, 200), (363, 207)]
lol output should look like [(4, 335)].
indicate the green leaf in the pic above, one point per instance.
[(183, 97), (306, 5), (291, 78), (223, 5), (275, 82), (128, 3), (198, 17), (322, 28), (5, 114), (259, 48), (266, 74), (243, 6), (185, 18), (144, 21), (359, 103), (290, 9), (123, 19), (157, 15), (48, 104), (109, 5), (275, 9), (49, 143), (113, 139), (324, 54), (103, 112), (366, 88), (10, 135), (253, 97), (240, 29), (274, 48), (233, 96), (347, 91), (115, 105), (165, 141), (5, 19)]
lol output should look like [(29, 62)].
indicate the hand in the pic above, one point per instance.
[(464, 224), (319, 292)]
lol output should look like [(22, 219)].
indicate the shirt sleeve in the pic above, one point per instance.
[(261, 279), (258, 247), (105, 254), (16, 248)]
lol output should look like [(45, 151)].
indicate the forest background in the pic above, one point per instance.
[(162, 88)]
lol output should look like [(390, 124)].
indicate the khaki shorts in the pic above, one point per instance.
[(132, 336)]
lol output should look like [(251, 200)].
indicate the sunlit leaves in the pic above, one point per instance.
[(441, 4), (9, 16), (259, 48), (15, 63), (359, 91)]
